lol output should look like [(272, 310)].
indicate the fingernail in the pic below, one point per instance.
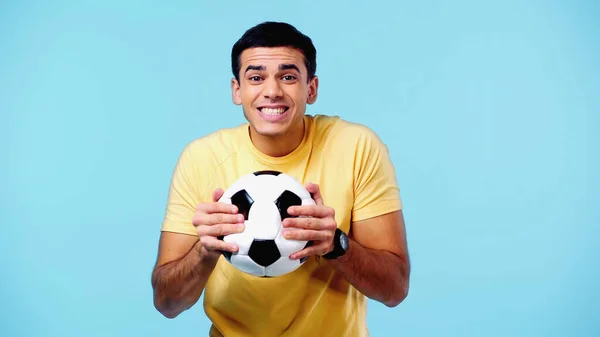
[(240, 218), (240, 226), (287, 234)]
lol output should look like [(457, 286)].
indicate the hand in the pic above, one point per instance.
[(215, 219), (315, 223)]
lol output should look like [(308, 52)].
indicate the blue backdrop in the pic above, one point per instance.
[(491, 113)]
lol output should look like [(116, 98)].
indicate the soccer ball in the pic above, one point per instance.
[(263, 198)]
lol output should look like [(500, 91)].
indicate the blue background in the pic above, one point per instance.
[(491, 113)]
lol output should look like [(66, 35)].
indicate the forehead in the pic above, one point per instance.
[(272, 57)]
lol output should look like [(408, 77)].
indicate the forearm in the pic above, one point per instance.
[(179, 284), (379, 275)]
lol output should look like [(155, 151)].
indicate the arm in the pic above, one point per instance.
[(181, 271), (185, 261), (180, 274), (377, 262)]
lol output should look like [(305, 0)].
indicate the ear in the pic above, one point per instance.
[(235, 92), (313, 90)]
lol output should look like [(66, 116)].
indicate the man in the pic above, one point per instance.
[(357, 226)]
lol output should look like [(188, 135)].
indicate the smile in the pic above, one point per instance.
[(273, 111)]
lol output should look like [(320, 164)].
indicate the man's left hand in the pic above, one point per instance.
[(313, 223)]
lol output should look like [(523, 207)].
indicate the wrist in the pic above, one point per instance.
[(340, 246), (341, 260), (205, 256)]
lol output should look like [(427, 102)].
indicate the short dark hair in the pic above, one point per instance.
[(274, 34)]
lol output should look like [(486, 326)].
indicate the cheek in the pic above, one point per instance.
[(294, 95), (249, 95), (300, 93), (299, 99)]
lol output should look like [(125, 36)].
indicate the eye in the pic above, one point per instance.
[(254, 78), (289, 78)]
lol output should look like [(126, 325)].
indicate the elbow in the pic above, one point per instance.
[(166, 311), (394, 301), (166, 307), (397, 297), (391, 304), (169, 314), (400, 290)]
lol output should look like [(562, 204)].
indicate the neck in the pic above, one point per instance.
[(279, 145)]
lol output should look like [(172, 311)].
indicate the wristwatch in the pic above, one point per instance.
[(340, 245)]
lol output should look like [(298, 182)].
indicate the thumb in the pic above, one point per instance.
[(315, 193), (217, 194)]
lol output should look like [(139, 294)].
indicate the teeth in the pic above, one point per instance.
[(271, 111)]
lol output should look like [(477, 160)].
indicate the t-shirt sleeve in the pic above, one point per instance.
[(376, 190), (184, 194)]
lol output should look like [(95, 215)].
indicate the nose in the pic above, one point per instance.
[(272, 89)]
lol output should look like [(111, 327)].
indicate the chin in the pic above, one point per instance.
[(270, 130), (274, 125)]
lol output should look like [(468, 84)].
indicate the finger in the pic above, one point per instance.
[(318, 211), (214, 244), (219, 230), (319, 249), (307, 234), (217, 194), (216, 207), (304, 223), (315, 192), (204, 219)]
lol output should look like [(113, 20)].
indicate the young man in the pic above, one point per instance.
[(357, 226)]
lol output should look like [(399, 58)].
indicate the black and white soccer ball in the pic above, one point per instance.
[(263, 198)]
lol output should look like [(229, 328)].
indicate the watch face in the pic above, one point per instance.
[(344, 241)]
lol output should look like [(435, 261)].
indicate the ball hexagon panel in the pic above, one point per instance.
[(293, 185), (308, 201), (264, 221), (264, 188), (243, 182), (288, 246), (243, 240), (282, 266), (247, 265)]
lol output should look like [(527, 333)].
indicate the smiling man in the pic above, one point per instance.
[(357, 225)]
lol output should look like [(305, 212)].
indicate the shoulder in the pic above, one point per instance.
[(203, 155), (335, 130), (218, 144)]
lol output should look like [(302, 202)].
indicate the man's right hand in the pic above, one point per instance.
[(215, 219)]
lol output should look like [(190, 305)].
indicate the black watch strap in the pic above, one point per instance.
[(340, 245)]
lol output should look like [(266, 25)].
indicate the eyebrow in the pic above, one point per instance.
[(286, 66), (257, 68)]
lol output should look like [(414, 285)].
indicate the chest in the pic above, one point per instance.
[(332, 172)]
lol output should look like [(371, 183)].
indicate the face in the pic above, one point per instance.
[(273, 90)]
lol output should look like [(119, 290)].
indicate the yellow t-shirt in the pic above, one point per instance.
[(356, 177)]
